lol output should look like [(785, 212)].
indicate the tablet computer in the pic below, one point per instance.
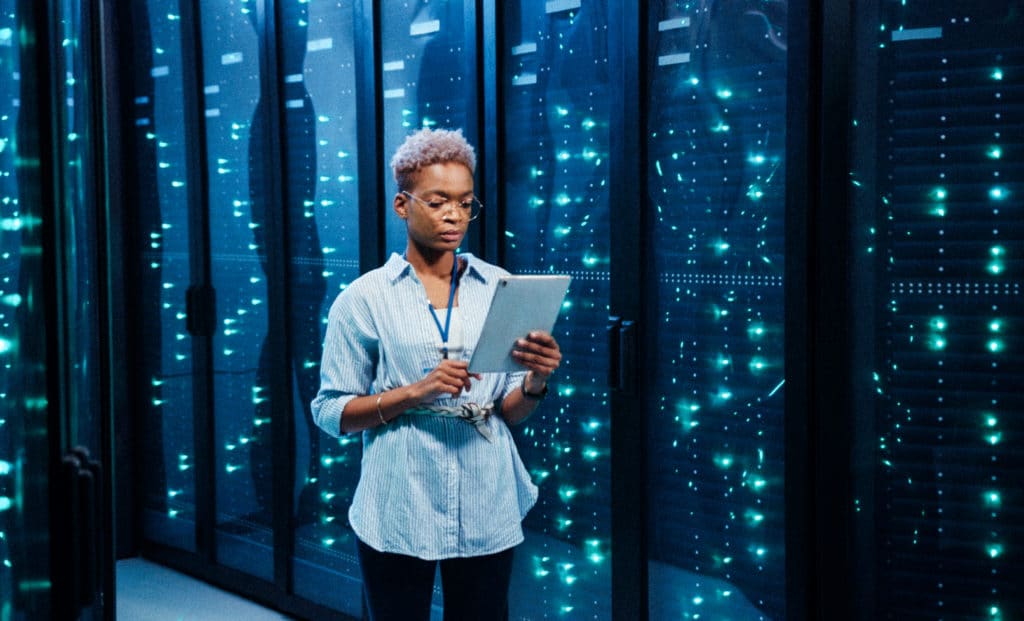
[(521, 304)]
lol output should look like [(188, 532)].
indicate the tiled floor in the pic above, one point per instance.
[(150, 592)]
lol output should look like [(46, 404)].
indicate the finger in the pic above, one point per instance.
[(534, 349), (542, 338), (537, 348), (454, 365), (543, 364)]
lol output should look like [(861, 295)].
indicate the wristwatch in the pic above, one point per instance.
[(536, 396)]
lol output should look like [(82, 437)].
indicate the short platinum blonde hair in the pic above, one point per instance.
[(427, 147)]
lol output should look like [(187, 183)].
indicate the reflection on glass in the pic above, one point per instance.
[(24, 436), (716, 135), (162, 234), (236, 141), (428, 81), (79, 212), (940, 153), (557, 94), (317, 55)]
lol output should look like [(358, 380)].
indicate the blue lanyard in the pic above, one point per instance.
[(448, 316)]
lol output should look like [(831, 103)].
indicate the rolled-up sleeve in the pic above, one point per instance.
[(512, 383), (350, 356)]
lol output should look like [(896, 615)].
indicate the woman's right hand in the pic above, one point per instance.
[(450, 378)]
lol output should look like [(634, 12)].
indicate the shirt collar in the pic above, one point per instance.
[(397, 267)]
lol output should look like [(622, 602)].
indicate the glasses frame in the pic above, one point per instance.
[(457, 205)]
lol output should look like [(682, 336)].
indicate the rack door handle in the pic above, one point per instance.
[(613, 332), (627, 358)]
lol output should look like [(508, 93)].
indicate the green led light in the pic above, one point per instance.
[(995, 325), (992, 498), (939, 194), (723, 461), (997, 74), (998, 193), (994, 153), (994, 550), (757, 484), (995, 346), (938, 323), (991, 421), (539, 570), (936, 343), (754, 518), (994, 438)]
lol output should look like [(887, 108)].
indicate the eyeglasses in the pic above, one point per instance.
[(469, 207)]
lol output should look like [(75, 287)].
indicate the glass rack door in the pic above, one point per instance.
[(25, 437), (557, 109), (938, 152), (717, 140), (321, 180)]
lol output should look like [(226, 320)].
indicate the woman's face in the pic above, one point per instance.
[(437, 228)]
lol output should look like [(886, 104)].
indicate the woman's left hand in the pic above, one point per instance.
[(538, 352)]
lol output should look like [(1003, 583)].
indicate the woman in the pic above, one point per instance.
[(441, 479)]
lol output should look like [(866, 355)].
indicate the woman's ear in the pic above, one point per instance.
[(401, 206)]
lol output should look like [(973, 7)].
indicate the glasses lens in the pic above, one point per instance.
[(475, 206)]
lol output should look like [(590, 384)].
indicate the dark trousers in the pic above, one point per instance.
[(399, 587)]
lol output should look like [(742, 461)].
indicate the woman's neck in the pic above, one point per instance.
[(430, 263)]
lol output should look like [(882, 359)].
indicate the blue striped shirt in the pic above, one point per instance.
[(430, 486)]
